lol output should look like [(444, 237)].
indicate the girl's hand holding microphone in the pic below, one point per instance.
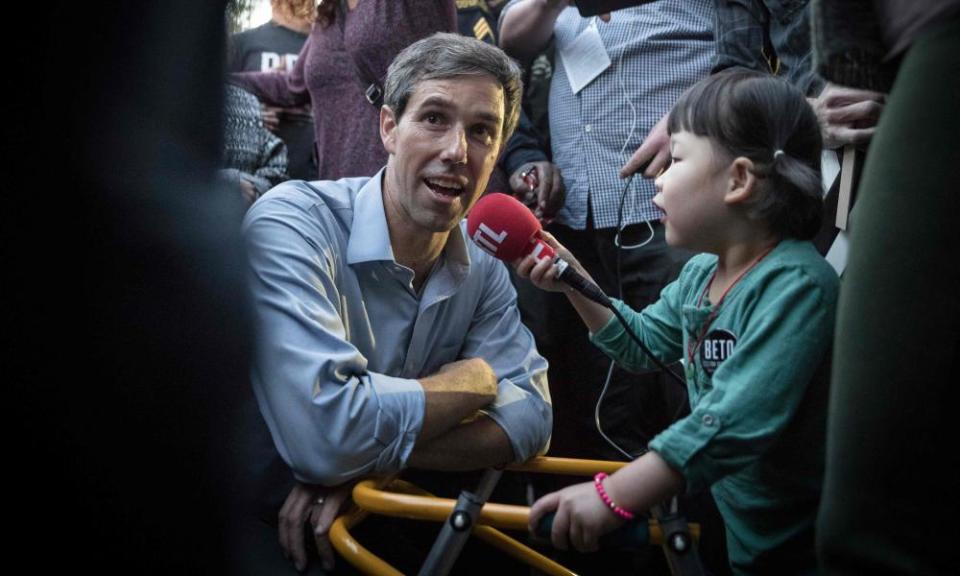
[(542, 272)]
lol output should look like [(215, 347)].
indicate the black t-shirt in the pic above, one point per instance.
[(260, 49)]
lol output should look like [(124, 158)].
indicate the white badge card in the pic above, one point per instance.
[(829, 168), (584, 58)]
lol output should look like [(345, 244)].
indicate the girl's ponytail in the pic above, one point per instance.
[(793, 206)]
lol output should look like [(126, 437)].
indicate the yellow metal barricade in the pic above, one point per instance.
[(402, 499)]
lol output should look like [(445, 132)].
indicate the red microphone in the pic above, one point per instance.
[(506, 229), (502, 226)]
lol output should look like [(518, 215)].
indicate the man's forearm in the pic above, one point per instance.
[(478, 443), (528, 26), (455, 393)]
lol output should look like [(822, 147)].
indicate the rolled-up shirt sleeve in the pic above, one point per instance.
[(755, 393), (522, 407), (331, 418)]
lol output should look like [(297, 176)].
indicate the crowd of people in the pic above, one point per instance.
[(676, 164)]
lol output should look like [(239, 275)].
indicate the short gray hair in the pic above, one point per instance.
[(444, 55)]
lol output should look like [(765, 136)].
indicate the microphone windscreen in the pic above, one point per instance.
[(503, 226)]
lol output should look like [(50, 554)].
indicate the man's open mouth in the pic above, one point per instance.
[(444, 186)]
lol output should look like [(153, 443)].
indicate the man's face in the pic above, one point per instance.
[(442, 151)]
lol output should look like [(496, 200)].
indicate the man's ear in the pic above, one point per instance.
[(742, 181), (388, 129)]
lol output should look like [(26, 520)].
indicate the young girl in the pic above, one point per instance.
[(752, 319)]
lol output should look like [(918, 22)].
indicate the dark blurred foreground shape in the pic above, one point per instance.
[(890, 497), (125, 331)]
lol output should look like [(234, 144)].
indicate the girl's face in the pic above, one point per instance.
[(690, 193)]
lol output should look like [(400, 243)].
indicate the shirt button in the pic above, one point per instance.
[(707, 420), (588, 128)]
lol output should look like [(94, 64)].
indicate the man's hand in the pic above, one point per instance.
[(581, 517), (847, 115), (270, 117), (318, 505), (540, 187), (653, 155)]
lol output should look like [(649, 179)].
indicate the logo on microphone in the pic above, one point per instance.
[(541, 251), (489, 240)]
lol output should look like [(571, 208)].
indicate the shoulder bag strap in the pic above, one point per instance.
[(370, 85)]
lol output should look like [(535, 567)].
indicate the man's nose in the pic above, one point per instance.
[(455, 146)]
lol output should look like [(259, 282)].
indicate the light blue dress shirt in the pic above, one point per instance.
[(343, 335), (657, 50)]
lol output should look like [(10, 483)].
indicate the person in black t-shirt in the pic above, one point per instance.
[(275, 46)]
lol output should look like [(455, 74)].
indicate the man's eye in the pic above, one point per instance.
[(433, 118), (483, 131)]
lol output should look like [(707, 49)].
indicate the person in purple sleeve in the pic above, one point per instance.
[(273, 47), (344, 54), (340, 71)]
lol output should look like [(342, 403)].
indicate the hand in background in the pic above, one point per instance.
[(539, 186), (249, 192), (847, 115), (653, 155), (270, 117)]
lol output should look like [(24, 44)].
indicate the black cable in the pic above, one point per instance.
[(604, 301), (619, 284), (636, 339)]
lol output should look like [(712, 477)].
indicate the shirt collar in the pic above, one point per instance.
[(458, 258), (370, 237)]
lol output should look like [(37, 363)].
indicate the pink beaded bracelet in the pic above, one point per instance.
[(598, 483)]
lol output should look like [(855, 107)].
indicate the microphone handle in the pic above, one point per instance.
[(581, 284), (593, 292)]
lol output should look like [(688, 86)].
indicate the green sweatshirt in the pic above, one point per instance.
[(755, 435)]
